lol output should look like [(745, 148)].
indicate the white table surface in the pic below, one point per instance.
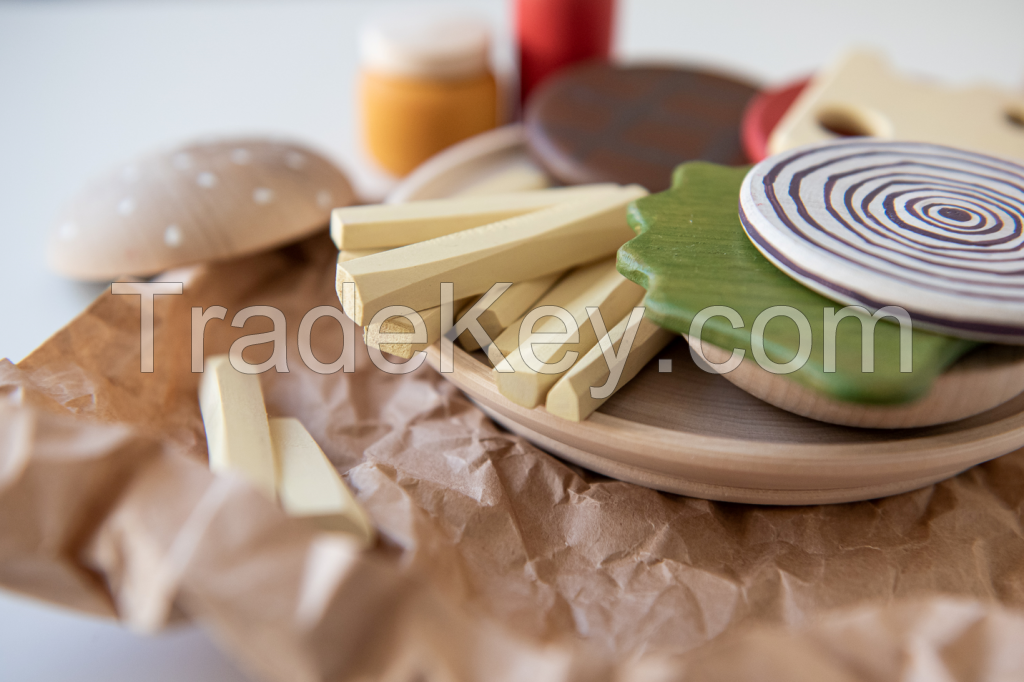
[(85, 85)]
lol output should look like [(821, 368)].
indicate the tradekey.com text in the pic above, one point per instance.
[(468, 322)]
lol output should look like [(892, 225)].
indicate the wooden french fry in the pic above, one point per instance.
[(571, 397), (237, 430), (387, 226), (310, 487), (380, 337), (525, 247), (512, 305), (598, 285), (278, 456), (351, 254), (579, 284)]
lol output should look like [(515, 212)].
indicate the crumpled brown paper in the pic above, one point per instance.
[(497, 561)]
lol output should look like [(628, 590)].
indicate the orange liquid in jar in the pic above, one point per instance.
[(406, 120)]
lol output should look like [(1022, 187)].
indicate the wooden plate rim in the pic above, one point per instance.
[(739, 463)]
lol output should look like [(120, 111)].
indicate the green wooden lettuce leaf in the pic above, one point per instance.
[(691, 253)]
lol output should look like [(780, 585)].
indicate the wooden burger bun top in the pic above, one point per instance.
[(200, 202)]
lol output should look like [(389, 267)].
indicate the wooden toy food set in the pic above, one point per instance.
[(557, 319), (587, 346), (691, 432), (703, 243)]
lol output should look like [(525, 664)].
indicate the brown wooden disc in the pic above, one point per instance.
[(634, 124)]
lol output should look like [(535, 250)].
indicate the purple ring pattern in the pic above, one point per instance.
[(936, 230)]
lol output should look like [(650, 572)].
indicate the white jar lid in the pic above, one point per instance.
[(426, 44)]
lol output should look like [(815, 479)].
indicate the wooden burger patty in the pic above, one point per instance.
[(634, 124)]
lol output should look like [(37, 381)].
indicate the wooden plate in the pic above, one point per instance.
[(491, 162), (694, 433)]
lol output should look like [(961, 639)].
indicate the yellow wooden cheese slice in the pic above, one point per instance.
[(860, 94)]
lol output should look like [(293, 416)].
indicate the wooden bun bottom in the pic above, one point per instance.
[(981, 380)]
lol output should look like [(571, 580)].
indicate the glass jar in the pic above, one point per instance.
[(425, 84)]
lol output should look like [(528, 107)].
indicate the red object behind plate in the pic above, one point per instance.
[(762, 115), (553, 34)]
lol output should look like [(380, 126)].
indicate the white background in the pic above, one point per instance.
[(86, 85)]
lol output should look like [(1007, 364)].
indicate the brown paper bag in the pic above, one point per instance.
[(497, 561)]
